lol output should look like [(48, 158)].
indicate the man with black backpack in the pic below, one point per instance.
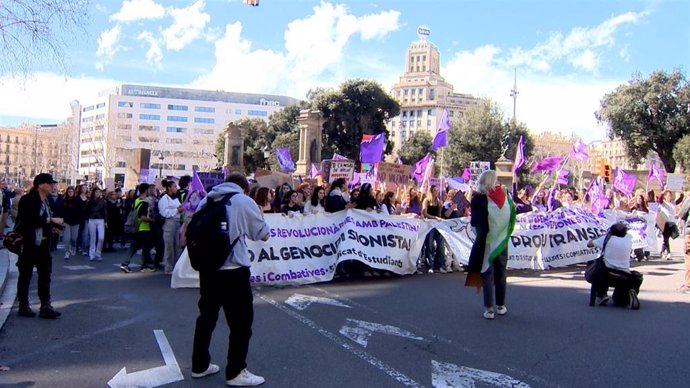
[(225, 282), (143, 238)]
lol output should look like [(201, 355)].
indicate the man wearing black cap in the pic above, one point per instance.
[(35, 224)]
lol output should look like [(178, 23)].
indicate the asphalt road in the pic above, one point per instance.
[(424, 330)]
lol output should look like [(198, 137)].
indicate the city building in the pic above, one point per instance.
[(423, 93), (613, 153), (551, 144), (31, 149), (177, 127)]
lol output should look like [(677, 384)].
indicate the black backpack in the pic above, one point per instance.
[(208, 244)]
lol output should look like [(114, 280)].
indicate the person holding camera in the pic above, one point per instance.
[(36, 225)]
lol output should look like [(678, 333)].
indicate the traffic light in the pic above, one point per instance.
[(599, 167), (607, 173)]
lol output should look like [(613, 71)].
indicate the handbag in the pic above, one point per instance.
[(14, 242), (597, 266)]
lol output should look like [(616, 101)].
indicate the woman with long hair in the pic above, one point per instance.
[(433, 245), (640, 208), (666, 221), (366, 200), (263, 198), (388, 203), (71, 214), (81, 199), (493, 217), (412, 203), (290, 203), (337, 198), (317, 203), (540, 200), (96, 214), (170, 209)]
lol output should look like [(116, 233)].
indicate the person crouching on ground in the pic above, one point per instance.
[(616, 254), (493, 217)]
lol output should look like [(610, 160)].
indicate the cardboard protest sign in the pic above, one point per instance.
[(393, 175), (275, 179), (675, 182), (341, 169), (476, 169)]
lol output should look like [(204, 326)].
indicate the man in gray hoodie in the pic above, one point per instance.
[(229, 288)]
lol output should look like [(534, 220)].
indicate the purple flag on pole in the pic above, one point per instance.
[(337, 156), (579, 151), (624, 182), (441, 138), (597, 197), (563, 177), (195, 195), (548, 164), (656, 173), (420, 168), (466, 174), (284, 159), (519, 155), (371, 150), (314, 172)]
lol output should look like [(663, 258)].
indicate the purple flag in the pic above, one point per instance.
[(656, 173), (579, 151), (519, 155), (371, 149), (284, 159), (337, 156), (624, 182), (314, 172), (597, 197), (548, 164), (466, 174), (195, 195), (420, 168), (441, 138), (563, 177), (225, 172)]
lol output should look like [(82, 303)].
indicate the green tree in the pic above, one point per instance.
[(650, 114), (416, 147), (681, 153), (513, 138), (357, 107), (219, 149), (478, 135)]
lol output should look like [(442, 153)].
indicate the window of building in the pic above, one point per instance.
[(179, 167), (417, 68), (145, 139), (413, 91), (393, 124), (429, 112), (419, 123), (393, 133), (100, 105), (260, 113), (420, 92), (403, 134), (100, 116), (173, 141), (428, 123), (404, 113), (88, 108), (451, 113), (238, 111), (419, 113), (176, 129), (181, 119), (148, 105), (88, 119), (203, 131), (125, 104), (404, 123), (150, 128), (204, 120), (432, 94), (405, 92), (411, 133), (124, 126), (120, 164), (207, 109), (424, 58), (143, 116), (86, 129), (178, 107)]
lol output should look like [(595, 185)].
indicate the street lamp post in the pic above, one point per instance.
[(267, 154), (161, 158)]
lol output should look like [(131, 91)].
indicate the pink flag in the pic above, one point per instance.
[(623, 181), (314, 172), (579, 151), (420, 168), (548, 164), (656, 173), (519, 155), (466, 174)]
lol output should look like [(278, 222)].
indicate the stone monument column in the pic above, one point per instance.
[(504, 171), (309, 122), (234, 148)]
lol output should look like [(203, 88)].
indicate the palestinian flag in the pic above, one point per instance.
[(502, 214)]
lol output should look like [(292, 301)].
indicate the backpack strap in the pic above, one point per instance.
[(226, 198), (606, 240)]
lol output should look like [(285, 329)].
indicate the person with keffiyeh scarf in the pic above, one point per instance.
[(493, 217)]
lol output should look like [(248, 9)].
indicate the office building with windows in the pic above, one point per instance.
[(423, 94), (178, 126)]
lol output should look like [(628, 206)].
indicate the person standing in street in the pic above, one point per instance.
[(142, 238), (35, 224), (229, 288), (493, 217), (96, 216), (170, 209)]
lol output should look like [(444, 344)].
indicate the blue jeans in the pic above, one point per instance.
[(495, 277)]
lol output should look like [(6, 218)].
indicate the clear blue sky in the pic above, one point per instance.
[(567, 53)]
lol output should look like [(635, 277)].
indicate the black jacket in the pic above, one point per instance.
[(480, 221), (32, 215)]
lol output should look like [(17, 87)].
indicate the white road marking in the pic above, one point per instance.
[(360, 331), (154, 377), (446, 375), (78, 267), (375, 362), (301, 302)]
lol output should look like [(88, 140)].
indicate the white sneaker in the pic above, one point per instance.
[(212, 368), (501, 310), (245, 379), (489, 314), (442, 270), (430, 271)]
